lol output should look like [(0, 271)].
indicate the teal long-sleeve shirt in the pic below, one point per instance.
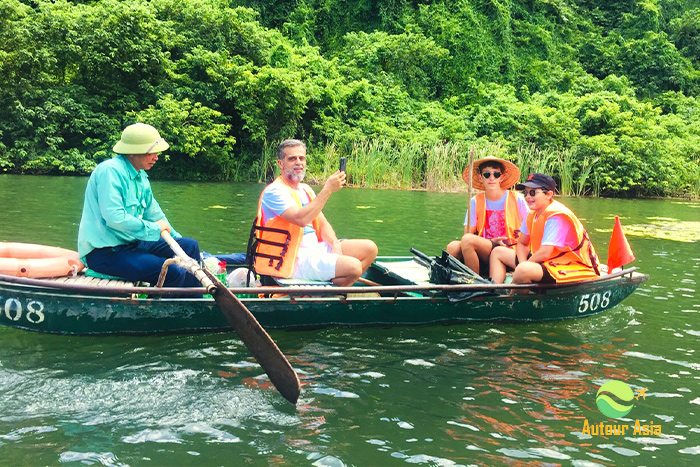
[(119, 208)]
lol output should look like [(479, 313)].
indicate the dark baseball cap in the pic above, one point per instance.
[(538, 180)]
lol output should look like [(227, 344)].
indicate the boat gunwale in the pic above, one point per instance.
[(292, 291)]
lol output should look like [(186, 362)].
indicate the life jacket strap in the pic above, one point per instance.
[(254, 240)]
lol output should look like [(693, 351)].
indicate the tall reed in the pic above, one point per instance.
[(444, 162), (584, 174), (381, 163), (532, 159), (694, 178), (264, 169), (567, 171)]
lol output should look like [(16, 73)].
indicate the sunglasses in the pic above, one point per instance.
[(496, 174), (532, 192)]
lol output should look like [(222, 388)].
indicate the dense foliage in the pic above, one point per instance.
[(605, 92)]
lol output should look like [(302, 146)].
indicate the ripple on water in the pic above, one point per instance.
[(169, 403), (153, 436), (620, 450), (336, 393), (89, 458), (419, 362)]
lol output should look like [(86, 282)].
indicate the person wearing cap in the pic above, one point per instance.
[(496, 214), (121, 225), (554, 247)]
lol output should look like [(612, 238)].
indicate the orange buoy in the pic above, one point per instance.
[(32, 260)]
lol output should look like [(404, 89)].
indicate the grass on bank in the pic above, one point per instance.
[(411, 166), (378, 164)]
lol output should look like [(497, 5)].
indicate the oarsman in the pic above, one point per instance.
[(120, 229)]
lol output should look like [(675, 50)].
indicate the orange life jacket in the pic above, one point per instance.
[(278, 240), (565, 264), (512, 216)]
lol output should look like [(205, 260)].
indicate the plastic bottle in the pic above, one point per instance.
[(221, 272), (217, 268)]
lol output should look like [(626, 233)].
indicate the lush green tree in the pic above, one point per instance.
[(201, 147), (602, 91), (685, 33), (410, 60)]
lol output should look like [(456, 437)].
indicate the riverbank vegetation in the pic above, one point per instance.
[(601, 94)]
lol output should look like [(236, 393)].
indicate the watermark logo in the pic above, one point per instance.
[(615, 400), (609, 406)]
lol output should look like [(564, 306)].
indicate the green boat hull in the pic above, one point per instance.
[(39, 306)]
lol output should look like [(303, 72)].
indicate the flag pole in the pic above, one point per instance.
[(469, 187)]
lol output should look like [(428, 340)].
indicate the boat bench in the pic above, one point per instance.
[(301, 282), (90, 277), (406, 272)]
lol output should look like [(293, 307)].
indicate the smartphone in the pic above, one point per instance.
[(343, 163)]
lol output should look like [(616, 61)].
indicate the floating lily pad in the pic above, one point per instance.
[(664, 228), (690, 204)]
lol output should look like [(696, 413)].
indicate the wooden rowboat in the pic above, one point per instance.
[(403, 296)]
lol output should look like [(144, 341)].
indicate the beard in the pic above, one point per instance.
[(296, 177)]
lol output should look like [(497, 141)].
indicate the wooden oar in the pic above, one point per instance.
[(247, 327), (469, 187), (362, 280)]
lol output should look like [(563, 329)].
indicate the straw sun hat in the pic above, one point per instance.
[(510, 176)]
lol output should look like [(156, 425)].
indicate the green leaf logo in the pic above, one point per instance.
[(608, 406)]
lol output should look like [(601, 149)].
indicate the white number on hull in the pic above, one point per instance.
[(14, 311), (35, 312), (593, 302)]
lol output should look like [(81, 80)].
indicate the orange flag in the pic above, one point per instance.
[(619, 251)]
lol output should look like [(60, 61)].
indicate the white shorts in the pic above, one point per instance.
[(315, 262)]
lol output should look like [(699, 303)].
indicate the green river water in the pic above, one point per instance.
[(470, 394)]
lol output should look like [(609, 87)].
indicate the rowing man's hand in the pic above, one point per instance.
[(164, 225)]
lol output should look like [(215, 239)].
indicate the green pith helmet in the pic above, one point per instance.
[(140, 138)]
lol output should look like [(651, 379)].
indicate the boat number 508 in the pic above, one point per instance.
[(593, 301), (13, 310)]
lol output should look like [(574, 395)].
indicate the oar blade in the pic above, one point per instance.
[(258, 341), (260, 344)]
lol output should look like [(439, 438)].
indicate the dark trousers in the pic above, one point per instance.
[(142, 261)]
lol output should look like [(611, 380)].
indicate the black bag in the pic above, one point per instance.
[(447, 269)]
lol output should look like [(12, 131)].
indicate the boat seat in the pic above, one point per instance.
[(90, 273), (83, 279), (310, 283), (408, 272), (299, 282)]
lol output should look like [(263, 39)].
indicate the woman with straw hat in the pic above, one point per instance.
[(495, 215), (120, 229)]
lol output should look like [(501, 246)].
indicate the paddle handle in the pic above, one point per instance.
[(469, 187), (421, 255), (189, 263), (362, 280)]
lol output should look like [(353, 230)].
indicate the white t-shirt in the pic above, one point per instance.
[(495, 222), (276, 199), (558, 232)]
